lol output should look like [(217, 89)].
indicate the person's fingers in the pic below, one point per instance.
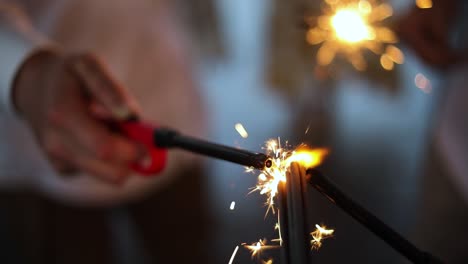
[(98, 111), (107, 171), (55, 152), (124, 151), (61, 166), (68, 151), (101, 86), (95, 138)]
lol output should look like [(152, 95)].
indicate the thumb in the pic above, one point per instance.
[(98, 83)]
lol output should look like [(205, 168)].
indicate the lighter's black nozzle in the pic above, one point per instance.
[(164, 137)]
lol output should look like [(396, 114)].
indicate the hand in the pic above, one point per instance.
[(427, 31), (62, 98)]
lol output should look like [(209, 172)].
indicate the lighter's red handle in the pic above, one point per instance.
[(144, 134)]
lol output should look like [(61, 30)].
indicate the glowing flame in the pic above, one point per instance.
[(349, 27), (308, 158), (270, 178), (320, 233)]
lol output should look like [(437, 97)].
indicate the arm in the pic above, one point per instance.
[(57, 95), (19, 39)]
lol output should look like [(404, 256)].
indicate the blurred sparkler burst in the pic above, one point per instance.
[(349, 27), (320, 233)]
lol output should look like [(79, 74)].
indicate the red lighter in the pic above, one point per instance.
[(143, 133)]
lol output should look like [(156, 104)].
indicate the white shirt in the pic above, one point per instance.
[(143, 46)]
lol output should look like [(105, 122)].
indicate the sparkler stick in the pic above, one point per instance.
[(293, 218), (166, 138), (368, 220)]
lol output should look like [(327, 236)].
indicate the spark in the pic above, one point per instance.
[(278, 227), (270, 178), (320, 233), (349, 27), (307, 129), (257, 247), (233, 255), (241, 130), (232, 206)]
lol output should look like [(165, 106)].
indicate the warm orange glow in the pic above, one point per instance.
[(395, 54), (424, 4), (386, 62), (320, 233), (308, 158), (349, 27)]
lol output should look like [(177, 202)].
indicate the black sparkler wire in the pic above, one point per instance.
[(326, 187)]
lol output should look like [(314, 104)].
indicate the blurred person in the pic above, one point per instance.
[(442, 225), (64, 65)]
